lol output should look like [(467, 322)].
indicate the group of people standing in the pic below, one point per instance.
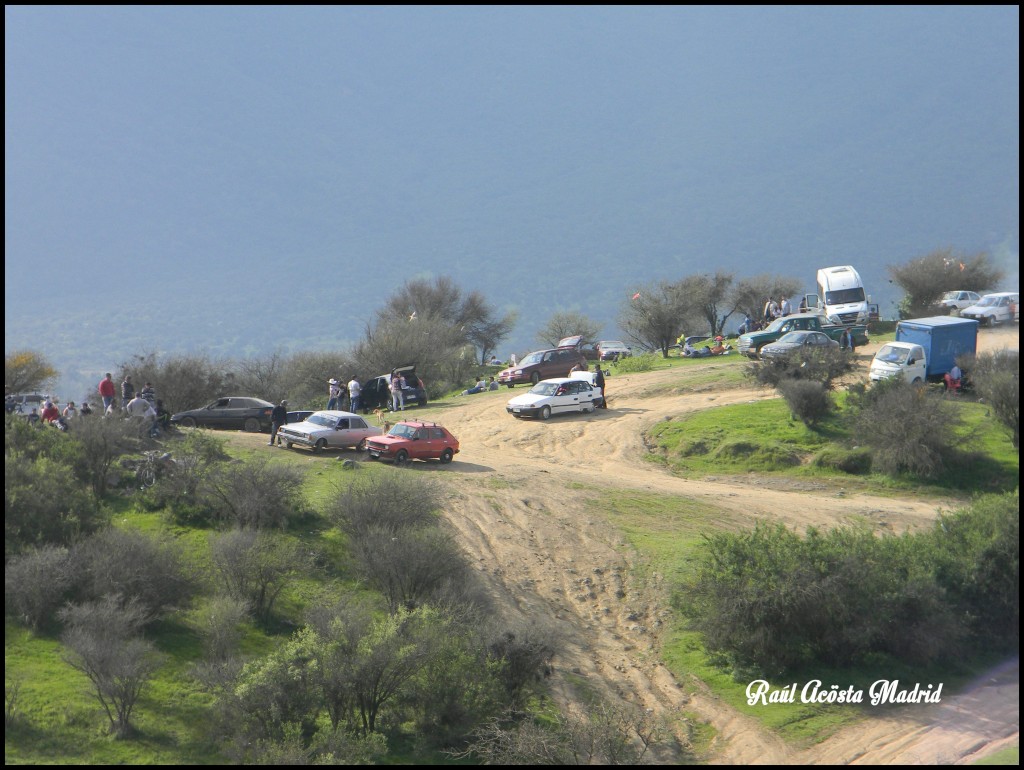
[(142, 406), (340, 395)]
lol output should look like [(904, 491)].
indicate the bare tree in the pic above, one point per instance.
[(567, 323), (103, 642), (709, 298), (182, 381), (653, 318), (750, 294)]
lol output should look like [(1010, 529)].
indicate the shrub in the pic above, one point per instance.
[(148, 571), (979, 565), (808, 400), (254, 493), (36, 583), (644, 362), (44, 504), (853, 461), (996, 376), (102, 642), (906, 430), (391, 502), (775, 601), (104, 440), (822, 366), (254, 567)]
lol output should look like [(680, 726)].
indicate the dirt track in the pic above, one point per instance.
[(521, 515)]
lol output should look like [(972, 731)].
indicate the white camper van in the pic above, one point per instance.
[(840, 296)]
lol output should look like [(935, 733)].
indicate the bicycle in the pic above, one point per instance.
[(151, 467)]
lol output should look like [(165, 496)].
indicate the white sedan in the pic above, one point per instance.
[(329, 429), (550, 397)]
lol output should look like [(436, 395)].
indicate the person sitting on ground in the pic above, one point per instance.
[(69, 411), (86, 409), (954, 379), (492, 384), (689, 350), (480, 387), (719, 348), (50, 412)]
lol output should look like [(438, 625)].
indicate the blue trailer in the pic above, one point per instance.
[(944, 339)]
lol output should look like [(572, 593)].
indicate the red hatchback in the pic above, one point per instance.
[(414, 440)]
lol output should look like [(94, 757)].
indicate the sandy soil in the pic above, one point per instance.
[(520, 515)]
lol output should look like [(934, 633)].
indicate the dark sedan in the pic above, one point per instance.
[(233, 412), (799, 340)]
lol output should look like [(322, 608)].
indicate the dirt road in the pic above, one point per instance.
[(521, 514)]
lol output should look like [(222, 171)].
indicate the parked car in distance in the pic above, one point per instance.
[(414, 440), (556, 396), (613, 350), (299, 416), (588, 349), (955, 301), (376, 392), (992, 309), (800, 340), (235, 412), (23, 403), (542, 365), (329, 430)]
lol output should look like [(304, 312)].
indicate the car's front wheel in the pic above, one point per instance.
[(289, 444), (188, 422), (446, 456), (535, 378), (545, 412), (320, 445), (361, 446), (252, 425), (402, 457)]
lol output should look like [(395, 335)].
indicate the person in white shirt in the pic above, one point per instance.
[(354, 389)]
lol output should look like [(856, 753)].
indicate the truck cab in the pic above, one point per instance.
[(840, 296), (900, 359)]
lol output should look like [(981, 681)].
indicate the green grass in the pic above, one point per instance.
[(762, 437), (1007, 756)]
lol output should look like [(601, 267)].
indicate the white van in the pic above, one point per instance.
[(1002, 307), (840, 296)]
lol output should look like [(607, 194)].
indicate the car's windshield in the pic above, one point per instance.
[(795, 338), (402, 431), (989, 302), (892, 355), (533, 358), (951, 295), (323, 419), (544, 388), (777, 324), (843, 296)]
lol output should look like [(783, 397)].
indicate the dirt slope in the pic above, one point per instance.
[(520, 515)]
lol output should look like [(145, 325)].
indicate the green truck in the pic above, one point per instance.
[(750, 344)]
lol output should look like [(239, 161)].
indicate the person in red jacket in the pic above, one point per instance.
[(50, 412), (107, 392)]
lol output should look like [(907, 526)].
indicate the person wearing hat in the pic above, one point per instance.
[(278, 417), (334, 393), (718, 348)]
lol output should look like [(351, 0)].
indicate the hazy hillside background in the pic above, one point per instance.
[(247, 179)]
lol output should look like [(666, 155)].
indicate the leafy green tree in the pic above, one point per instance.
[(925, 279), (27, 370), (441, 301)]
